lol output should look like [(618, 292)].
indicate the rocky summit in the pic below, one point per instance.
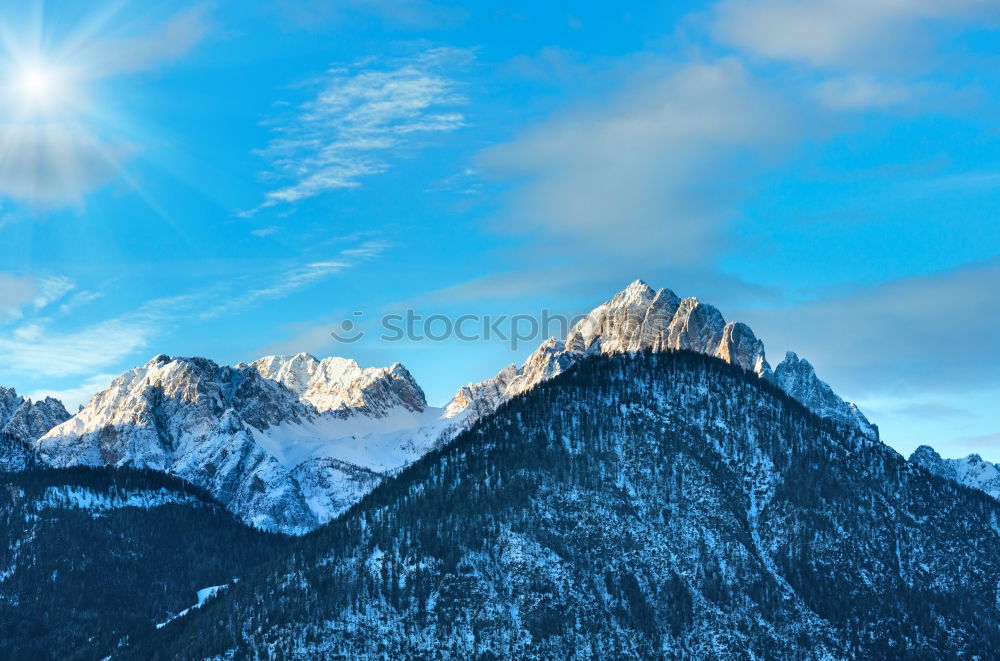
[(22, 422), (971, 471), (641, 319)]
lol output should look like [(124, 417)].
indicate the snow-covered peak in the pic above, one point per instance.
[(340, 385), (259, 437), (195, 419), (638, 290), (293, 372), (23, 421), (972, 471)]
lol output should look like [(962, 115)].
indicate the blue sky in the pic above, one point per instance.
[(234, 179)]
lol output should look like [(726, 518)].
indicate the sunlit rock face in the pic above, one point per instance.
[(285, 443), (340, 385), (641, 319), (739, 346)]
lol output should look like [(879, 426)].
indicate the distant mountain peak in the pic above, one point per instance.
[(798, 378), (972, 471), (22, 422), (342, 386), (924, 453), (637, 288)]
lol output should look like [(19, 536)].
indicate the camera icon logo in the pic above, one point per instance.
[(349, 331)]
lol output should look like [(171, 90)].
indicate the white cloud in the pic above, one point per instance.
[(54, 164), (36, 347), (36, 350), (359, 122), (933, 332), (859, 92), (19, 293), (15, 293), (76, 396), (174, 38), (298, 278), (655, 172), (843, 34), (79, 300)]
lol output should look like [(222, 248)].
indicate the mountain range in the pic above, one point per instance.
[(646, 487), (287, 443)]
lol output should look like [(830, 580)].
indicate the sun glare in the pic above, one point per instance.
[(35, 83), (36, 89)]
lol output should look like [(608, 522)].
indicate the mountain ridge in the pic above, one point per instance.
[(970, 471), (244, 435), (290, 441)]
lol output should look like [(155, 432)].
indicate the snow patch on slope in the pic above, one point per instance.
[(77, 497)]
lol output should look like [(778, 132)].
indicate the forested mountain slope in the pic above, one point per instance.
[(662, 505), (91, 557)]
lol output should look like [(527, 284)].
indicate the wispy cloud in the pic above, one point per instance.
[(862, 92), (292, 281), (262, 232), (931, 332), (990, 441), (298, 278), (38, 346), (34, 348), (20, 293), (845, 34), (177, 36), (360, 121), (73, 398), (654, 172)]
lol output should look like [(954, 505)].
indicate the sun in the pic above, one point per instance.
[(37, 85), (37, 89)]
